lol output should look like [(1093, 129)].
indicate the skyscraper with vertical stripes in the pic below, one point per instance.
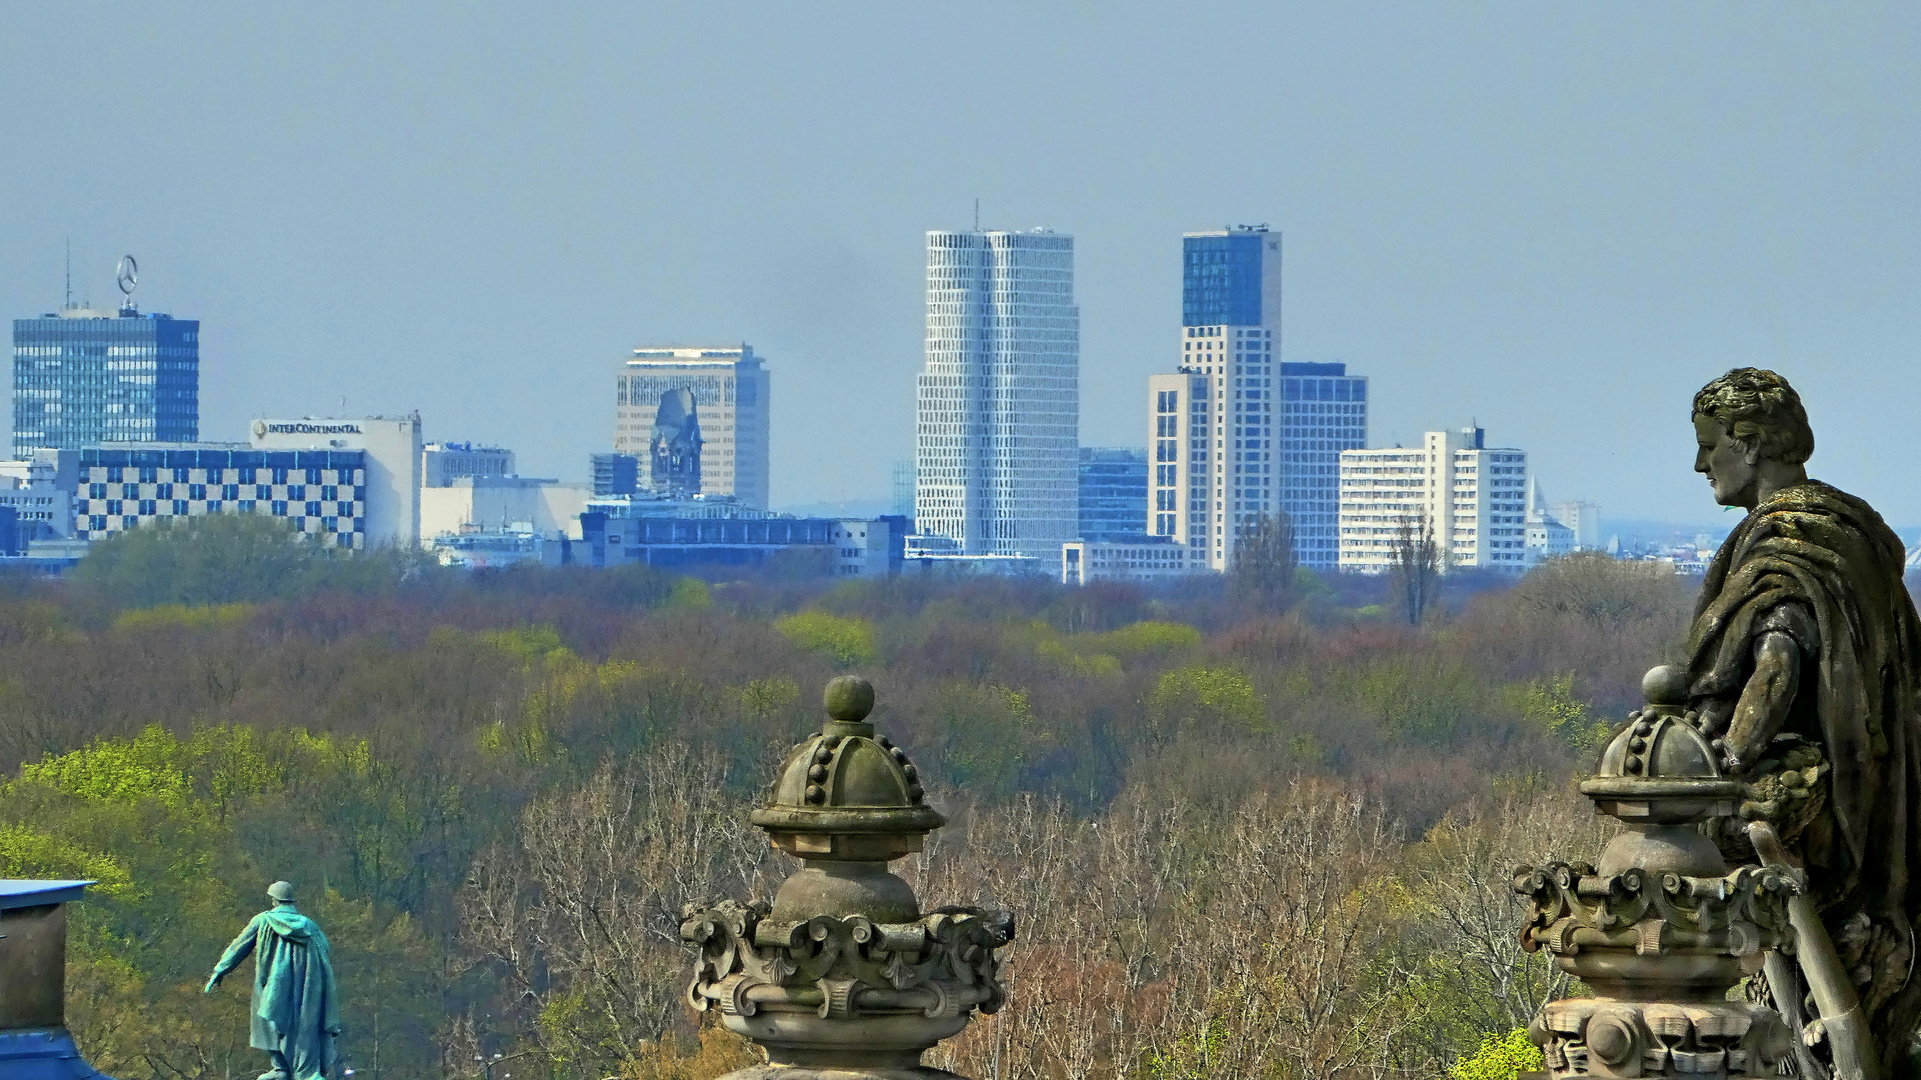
[(997, 424)]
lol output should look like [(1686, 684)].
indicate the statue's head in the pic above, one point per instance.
[(280, 892), (1750, 427)]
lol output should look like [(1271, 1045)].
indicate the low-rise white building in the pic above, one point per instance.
[(443, 463), (1084, 562), (501, 504), (476, 551), (1473, 497)]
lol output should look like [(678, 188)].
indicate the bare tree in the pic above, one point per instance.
[(1264, 560), (581, 914), (1416, 558)]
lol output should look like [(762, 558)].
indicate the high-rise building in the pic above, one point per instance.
[(904, 489), (1582, 517), (1211, 425), (997, 429), (615, 475), (1113, 493), (1323, 413), (83, 377), (1237, 434), (1472, 500), (729, 387)]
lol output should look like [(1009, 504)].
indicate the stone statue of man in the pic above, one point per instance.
[(296, 1010), (1805, 659)]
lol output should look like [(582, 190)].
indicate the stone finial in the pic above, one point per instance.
[(1661, 928), (849, 698), (843, 976)]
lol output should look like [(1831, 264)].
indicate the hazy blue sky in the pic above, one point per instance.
[(1556, 219)]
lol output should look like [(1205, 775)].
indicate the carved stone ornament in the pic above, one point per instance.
[(1662, 928), (843, 976)]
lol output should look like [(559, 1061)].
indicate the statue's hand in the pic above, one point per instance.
[(1715, 715), (213, 982)]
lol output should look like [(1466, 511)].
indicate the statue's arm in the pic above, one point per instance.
[(1766, 699), (241, 948)]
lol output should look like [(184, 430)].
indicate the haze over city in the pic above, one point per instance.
[(1554, 222)]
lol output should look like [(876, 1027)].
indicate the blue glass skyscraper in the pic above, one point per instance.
[(86, 378), (1231, 279), (1113, 493)]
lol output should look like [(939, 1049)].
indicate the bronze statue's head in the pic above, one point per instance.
[(280, 892), (1752, 435)]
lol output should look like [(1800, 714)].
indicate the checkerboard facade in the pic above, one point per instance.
[(323, 492)]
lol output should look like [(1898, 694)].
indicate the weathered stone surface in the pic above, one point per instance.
[(1662, 928), (843, 977)]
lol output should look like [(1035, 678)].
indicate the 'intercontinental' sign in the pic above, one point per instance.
[(263, 428)]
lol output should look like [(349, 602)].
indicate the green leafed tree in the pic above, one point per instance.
[(226, 558)]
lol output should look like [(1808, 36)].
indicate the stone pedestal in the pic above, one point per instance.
[(843, 977), (1662, 929)]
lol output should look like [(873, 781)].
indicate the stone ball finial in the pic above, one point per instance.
[(1666, 684), (849, 698)]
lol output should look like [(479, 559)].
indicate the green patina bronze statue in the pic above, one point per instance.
[(1804, 662), (296, 1009)]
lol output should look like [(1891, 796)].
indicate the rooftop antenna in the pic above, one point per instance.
[(69, 303), (977, 214)]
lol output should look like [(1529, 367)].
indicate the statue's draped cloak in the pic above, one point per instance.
[(1829, 553), (296, 1009)]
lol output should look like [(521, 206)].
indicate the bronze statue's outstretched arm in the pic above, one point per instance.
[(1766, 698), (236, 952)]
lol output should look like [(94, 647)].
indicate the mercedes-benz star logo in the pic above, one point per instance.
[(127, 274)]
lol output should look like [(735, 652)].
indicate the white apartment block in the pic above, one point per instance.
[(730, 388), (1473, 497), (997, 419)]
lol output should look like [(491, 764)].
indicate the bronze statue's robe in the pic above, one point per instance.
[(296, 1008), (1822, 565)]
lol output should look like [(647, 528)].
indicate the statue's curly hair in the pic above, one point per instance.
[(1759, 409)]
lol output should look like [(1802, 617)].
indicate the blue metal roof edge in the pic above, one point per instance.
[(43, 1054), (31, 892)]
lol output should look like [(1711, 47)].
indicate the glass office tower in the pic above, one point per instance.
[(87, 378), (997, 433)]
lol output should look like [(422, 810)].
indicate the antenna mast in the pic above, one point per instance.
[(69, 301), (977, 215)]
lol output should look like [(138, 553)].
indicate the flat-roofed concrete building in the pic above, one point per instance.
[(441, 463), (730, 388)]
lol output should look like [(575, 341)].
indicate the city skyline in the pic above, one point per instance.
[(1557, 223)]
